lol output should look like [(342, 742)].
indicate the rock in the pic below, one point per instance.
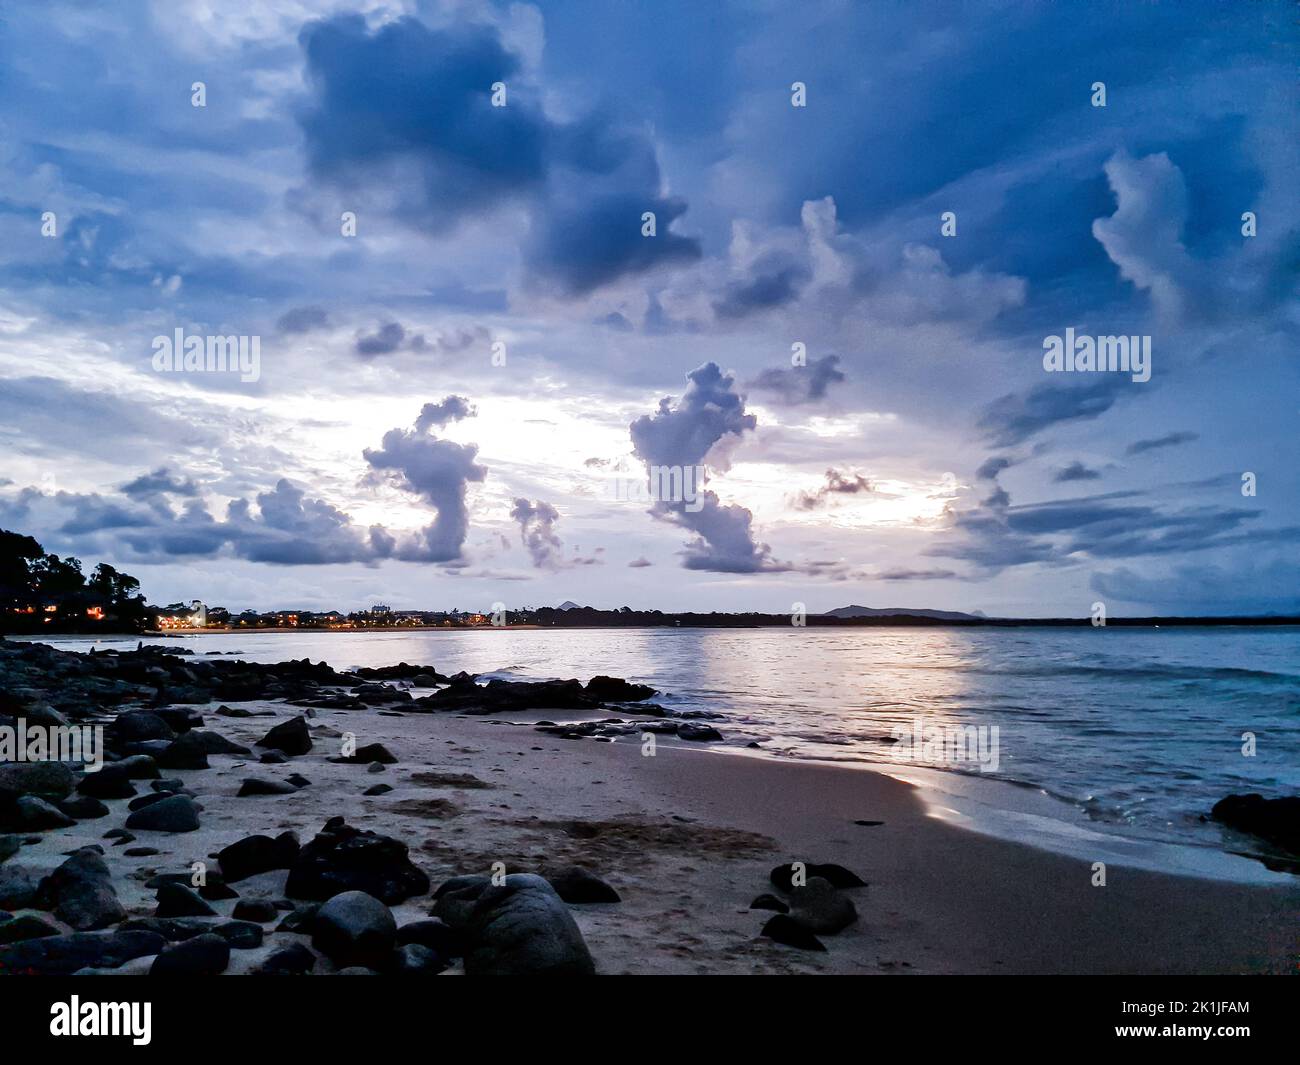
[(769, 902), (46, 780), (9, 847), (289, 737), (30, 926), (33, 814), (371, 752), (63, 955), (81, 893), (1275, 820), (18, 885), (378, 789), (342, 858), (172, 784), (412, 959), (698, 733), (141, 852), (259, 911), (300, 919), (821, 908), (523, 928), (293, 960), (136, 725), (136, 767), (83, 808), (142, 801), (617, 690), (215, 743), (177, 900), (297, 780), (354, 928), (260, 786), (578, 886), (376, 767), (181, 718), (233, 711), (184, 753), (175, 813), (783, 876), (433, 933), (242, 934), (258, 854), (786, 930), (273, 758), (204, 955)]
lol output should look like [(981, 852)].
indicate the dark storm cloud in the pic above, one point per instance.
[(1075, 471), (302, 320), (1014, 418), (407, 95), (797, 385), (450, 409), (159, 482), (1155, 443), (837, 484)]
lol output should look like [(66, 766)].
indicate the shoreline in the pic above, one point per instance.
[(688, 840)]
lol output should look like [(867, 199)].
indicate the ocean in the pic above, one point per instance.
[(1131, 732)]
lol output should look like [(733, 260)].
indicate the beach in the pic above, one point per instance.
[(687, 837)]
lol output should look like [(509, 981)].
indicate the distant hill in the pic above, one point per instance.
[(568, 604), (892, 611)]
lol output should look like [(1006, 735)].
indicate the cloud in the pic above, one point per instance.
[(1168, 440), (1016, 417), (537, 532), (302, 320), (640, 563), (1144, 235), (992, 466), (1075, 471), (701, 427), (837, 484), (160, 482), (385, 340), (450, 409), (801, 384), (436, 470), (403, 116)]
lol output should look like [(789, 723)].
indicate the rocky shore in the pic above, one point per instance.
[(327, 900), (297, 819)]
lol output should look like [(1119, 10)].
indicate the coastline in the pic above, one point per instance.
[(687, 838)]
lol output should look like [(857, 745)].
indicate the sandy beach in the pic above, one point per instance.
[(687, 838)]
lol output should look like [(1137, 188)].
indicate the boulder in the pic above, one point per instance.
[(292, 960), (617, 690), (84, 808), (80, 893), (433, 933), (18, 886), (30, 926), (411, 959), (522, 927), (579, 886), (46, 780), (369, 754), (342, 858), (257, 854), (688, 730), (821, 908), (288, 737), (1274, 820), (63, 955), (174, 813), (113, 781), (135, 725), (261, 786), (177, 900), (784, 929), (783, 875), (31, 813), (204, 955), (259, 911), (354, 928), (769, 902), (185, 753)]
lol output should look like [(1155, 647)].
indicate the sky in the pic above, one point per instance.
[(504, 264)]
